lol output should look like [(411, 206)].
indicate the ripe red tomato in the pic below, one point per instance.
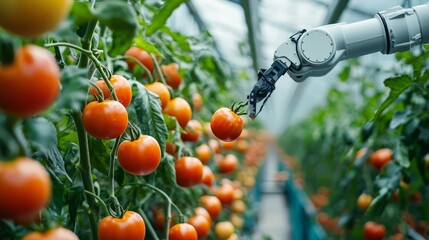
[(170, 148), (189, 171), (183, 231), (226, 124), (225, 193), (193, 131), (203, 212), (162, 91), (173, 78), (227, 164), (374, 231), (105, 120), (52, 234), (203, 152), (381, 157), (31, 83), (201, 225), (212, 204), (140, 55), (25, 187), (122, 89), (208, 176), (180, 109), (130, 226), (32, 18), (139, 157)]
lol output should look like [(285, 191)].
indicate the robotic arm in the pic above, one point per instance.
[(317, 51)]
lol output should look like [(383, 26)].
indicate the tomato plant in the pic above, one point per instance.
[(120, 85), (114, 115), (212, 204), (27, 185), (36, 69), (30, 19), (189, 171), (201, 225), (141, 156), (129, 226), (226, 124)]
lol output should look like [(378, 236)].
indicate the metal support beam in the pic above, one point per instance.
[(251, 14)]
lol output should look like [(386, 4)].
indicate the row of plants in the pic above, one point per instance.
[(111, 126), (362, 157)]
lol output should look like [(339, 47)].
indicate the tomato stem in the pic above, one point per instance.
[(148, 224), (149, 74), (86, 42), (85, 171), (7, 50), (100, 95), (112, 166), (103, 204), (158, 69)]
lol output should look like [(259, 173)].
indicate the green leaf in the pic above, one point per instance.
[(74, 87), (398, 119), (121, 41), (148, 46), (118, 16), (397, 85), (42, 136), (400, 155), (75, 199), (81, 13), (166, 171), (99, 153), (161, 17), (344, 75), (149, 115)]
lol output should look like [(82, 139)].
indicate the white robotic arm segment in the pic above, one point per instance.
[(317, 51)]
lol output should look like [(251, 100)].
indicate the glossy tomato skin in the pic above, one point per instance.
[(139, 157), (204, 153), (162, 91), (183, 231), (172, 76), (105, 120), (140, 55), (31, 19), (225, 193), (226, 125), (193, 131), (52, 234), (122, 89), (208, 176), (203, 212), (201, 225), (31, 83), (189, 171), (381, 157), (130, 226), (374, 231), (227, 164), (180, 109), (212, 204), (27, 185)]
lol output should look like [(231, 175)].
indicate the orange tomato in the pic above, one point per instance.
[(171, 72), (198, 101), (52, 234), (180, 109), (141, 56), (162, 91), (225, 193), (120, 85), (189, 171), (201, 225), (130, 226), (208, 176), (223, 230), (193, 131), (212, 204), (183, 231), (227, 164), (25, 187), (381, 157), (31, 83), (226, 124), (204, 153), (364, 200)]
